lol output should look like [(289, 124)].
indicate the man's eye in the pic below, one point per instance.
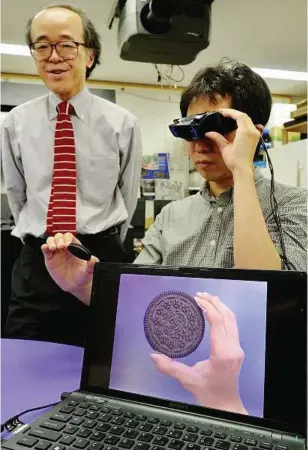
[(41, 46)]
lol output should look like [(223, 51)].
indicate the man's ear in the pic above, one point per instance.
[(260, 128), (90, 58)]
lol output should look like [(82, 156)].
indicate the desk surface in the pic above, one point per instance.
[(36, 373)]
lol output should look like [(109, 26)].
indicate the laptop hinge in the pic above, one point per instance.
[(78, 395)]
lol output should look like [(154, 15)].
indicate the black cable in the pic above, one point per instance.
[(275, 208), (14, 421)]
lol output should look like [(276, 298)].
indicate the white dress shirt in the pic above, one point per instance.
[(108, 160)]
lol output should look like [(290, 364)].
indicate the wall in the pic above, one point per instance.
[(155, 110)]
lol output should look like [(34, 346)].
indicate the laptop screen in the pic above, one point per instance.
[(228, 341)]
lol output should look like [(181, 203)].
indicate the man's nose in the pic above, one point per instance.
[(203, 146), (54, 57)]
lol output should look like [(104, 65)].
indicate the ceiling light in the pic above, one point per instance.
[(282, 74), (23, 50), (12, 49)]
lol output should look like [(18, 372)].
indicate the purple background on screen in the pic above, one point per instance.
[(132, 369)]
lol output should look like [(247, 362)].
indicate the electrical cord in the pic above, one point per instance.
[(15, 421), (275, 208)]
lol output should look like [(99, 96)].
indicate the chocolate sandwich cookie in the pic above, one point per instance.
[(174, 324)]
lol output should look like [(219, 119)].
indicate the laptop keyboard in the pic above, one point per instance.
[(85, 425)]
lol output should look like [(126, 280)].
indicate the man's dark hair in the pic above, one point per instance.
[(91, 36), (247, 91)]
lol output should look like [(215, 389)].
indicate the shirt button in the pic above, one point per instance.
[(212, 243), (81, 117), (219, 209)]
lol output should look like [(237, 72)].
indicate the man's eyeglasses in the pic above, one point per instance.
[(42, 51)]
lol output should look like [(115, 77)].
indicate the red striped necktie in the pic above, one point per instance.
[(61, 216)]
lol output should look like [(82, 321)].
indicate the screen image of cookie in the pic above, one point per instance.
[(174, 324)]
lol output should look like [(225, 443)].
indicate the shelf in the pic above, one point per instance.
[(300, 127)]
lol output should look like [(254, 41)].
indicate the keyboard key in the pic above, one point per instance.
[(192, 447), (97, 436), (240, 447), (77, 420), (105, 409), (160, 430), (206, 432), (179, 426), (126, 443), (166, 423), (43, 445), (160, 440), (223, 445), (84, 432), (131, 423), (117, 412), (142, 446), (92, 415), (94, 408), (67, 439), (61, 417), (111, 447), (220, 435), (145, 437), (207, 441), (157, 447), (103, 427), (192, 429), (58, 447), (81, 443), (96, 446), (266, 445), (67, 409), (71, 429), (252, 442), (190, 437), (111, 440), (116, 430), (236, 439), (281, 447), (27, 441), (89, 423), (42, 433), (80, 412), (52, 425), (73, 403), (175, 434), (132, 434), (153, 420), (176, 444), (118, 420), (85, 405), (145, 427), (129, 415), (141, 418), (104, 417)]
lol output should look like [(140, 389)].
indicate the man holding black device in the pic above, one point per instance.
[(71, 162), (238, 219)]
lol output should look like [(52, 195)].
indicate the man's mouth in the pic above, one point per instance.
[(57, 71)]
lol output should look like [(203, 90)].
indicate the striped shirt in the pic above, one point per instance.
[(198, 230)]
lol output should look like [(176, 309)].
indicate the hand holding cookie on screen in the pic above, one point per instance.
[(213, 382)]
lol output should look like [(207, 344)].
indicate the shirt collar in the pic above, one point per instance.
[(80, 103), (226, 196)]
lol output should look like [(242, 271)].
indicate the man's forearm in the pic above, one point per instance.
[(253, 246)]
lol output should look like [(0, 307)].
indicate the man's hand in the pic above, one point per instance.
[(238, 155), (213, 382), (72, 274)]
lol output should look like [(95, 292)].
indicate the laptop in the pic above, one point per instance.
[(164, 371)]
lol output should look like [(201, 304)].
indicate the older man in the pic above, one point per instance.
[(71, 163)]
